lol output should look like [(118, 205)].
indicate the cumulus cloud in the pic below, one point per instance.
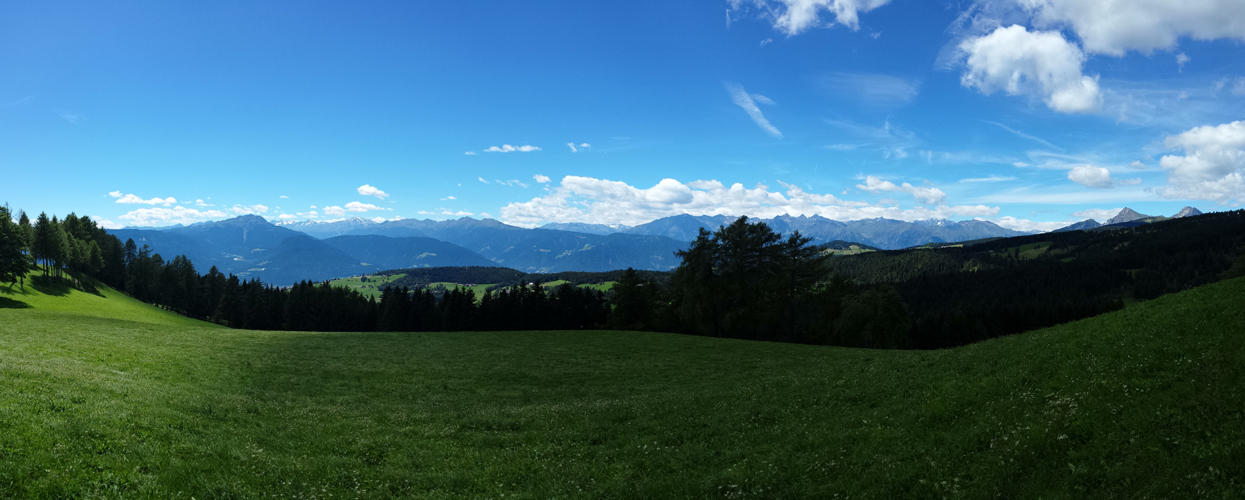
[(1091, 176), (795, 16), (1116, 27), (131, 199), (506, 148), (287, 216), (367, 190), (602, 201), (249, 209), (355, 206), (1100, 214), (1026, 225), (933, 196), (334, 211), (1213, 166), (748, 102), (543, 179), (1022, 62), (167, 216)]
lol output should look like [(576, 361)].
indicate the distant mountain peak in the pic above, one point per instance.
[(1187, 212), (1126, 215)]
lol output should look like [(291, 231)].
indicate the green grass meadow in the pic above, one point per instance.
[(105, 397), (373, 287)]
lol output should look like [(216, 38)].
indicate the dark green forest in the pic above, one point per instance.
[(741, 281)]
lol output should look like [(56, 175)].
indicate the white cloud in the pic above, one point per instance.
[(367, 190), (1015, 224), (378, 220), (1091, 176), (1099, 214), (287, 216), (506, 148), (105, 223), (355, 206), (482, 180), (933, 196), (1128, 182), (1181, 60), (748, 102), (470, 153), (448, 198), (249, 209), (874, 91), (284, 197), (992, 178), (131, 199), (543, 179), (165, 216), (1022, 62), (794, 16), (1106, 27), (1213, 167), (459, 213), (334, 211), (575, 149), (587, 199), (1239, 88)]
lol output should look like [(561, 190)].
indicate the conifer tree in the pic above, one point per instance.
[(14, 262)]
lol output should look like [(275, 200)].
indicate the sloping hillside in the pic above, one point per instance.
[(1141, 403)]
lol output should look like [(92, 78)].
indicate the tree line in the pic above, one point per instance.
[(741, 281)]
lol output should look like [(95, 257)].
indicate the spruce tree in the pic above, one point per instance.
[(13, 261)]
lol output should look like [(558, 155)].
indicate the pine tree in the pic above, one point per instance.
[(14, 262)]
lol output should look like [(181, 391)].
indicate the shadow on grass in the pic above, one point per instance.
[(7, 303), (50, 285)]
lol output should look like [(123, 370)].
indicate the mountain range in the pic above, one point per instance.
[(288, 252), (1127, 217)]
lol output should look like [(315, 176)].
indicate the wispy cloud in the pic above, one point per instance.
[(871, 91), (541, 178), (1023, 135), (992, 178), (748, 102)]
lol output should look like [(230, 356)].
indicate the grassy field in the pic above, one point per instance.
[(103, 397), (373, 287)]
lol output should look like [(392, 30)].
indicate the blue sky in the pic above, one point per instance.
[(1030, 113)]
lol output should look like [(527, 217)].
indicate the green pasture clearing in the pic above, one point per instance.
[(851, 250), (373, 287), (477, 289), (600, 287), (104, 397)]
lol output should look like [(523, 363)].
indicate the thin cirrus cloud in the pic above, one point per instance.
[(992, 178), (871, 91), (602, 201), (748, 102), (575, 149)]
